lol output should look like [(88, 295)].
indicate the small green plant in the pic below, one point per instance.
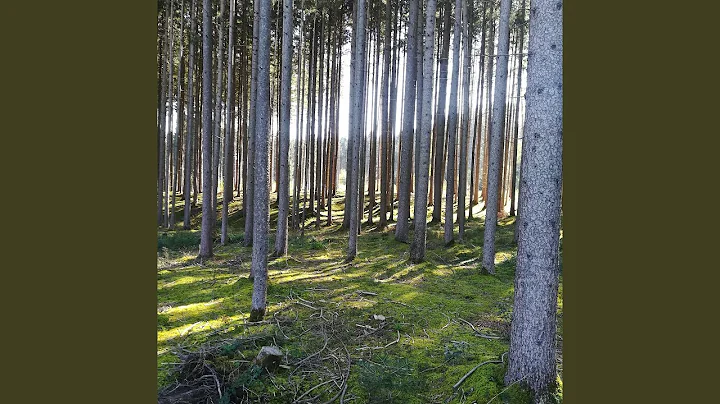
[(178, 240)]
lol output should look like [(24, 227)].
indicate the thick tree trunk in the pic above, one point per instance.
[(281, 239), (496, 134), (261, 201), (532, 337), (417, 248), (208, 214)]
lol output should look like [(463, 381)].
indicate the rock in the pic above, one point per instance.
[(269, 357), (378, 317)]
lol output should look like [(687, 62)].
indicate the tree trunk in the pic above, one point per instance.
[(496, 135), (162, 118), (190, 118), (408, 130), (417, 248), (229, 130), (218, 110), (465, 123), (178, 118), (358, 99), (208, 214), (385, 119), (513, 172), (532, 337), (281, 239), (249, 197), (452, 127), (440, 119), (261, 201)]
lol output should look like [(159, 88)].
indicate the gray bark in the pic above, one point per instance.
[(169, 144), (496, 133), (384, 120), (408, 129), (249, 196), (452, 127), (281, 239), (218, 108), (261, 216), (440, 118), (229, 130), (208, 214), (162, 113), (190, 119), (513, 172), (357, 110), (417, 248), (465, 123), (532, 337), (179, 116)]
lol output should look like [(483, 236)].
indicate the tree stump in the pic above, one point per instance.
[(269, 358)]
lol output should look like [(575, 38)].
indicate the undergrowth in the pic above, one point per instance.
[(377, 330)]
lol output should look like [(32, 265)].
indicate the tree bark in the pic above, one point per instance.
[(190, 118), (417, 248), (533, 330), (281, 239), (249, 197), (452, 127), (408, 130), (496, 135), (440, 119), (208, 214), (229, 130), (261, 201)]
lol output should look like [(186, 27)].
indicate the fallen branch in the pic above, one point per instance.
[(478, 333), (456, 385)]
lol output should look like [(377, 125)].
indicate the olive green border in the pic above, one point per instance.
[(79, 153), (79, 202)]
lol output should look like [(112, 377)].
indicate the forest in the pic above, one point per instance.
[(359, 201)]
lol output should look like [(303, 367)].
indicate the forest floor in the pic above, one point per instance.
[(379, 329)]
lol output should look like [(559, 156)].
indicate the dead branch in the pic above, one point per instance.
[(478, 333)]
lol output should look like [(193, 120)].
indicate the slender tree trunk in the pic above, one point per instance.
[(373, 133), (440, 118), (417, 248), (208, 215), (496, 134), (281, 239), (513, 173), (261, 200), (218, 109), (465, 122), (162, 113), (358, 101), (229, 130), (452, 127), (190, 117), (532, 336), (178, 118), (408, 130), (318, 169), (249, 197)]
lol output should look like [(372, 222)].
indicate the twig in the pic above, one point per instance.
[(362, 292), (217, 382), (306, 393), (456, 385), (380, 347), (478, 333)]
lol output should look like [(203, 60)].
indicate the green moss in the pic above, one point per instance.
[(313, 291)]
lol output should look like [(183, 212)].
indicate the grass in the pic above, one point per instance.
[(316, 300)]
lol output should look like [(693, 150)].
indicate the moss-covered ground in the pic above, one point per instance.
[(402, 332)]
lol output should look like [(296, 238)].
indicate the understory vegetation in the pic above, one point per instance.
[(376, 330)]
